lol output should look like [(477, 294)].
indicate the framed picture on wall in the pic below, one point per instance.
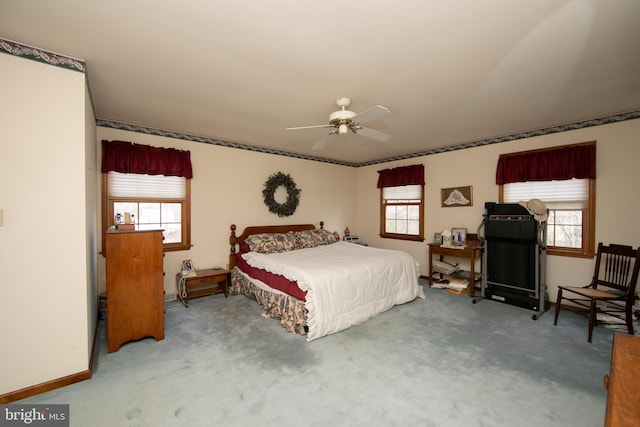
[(456, 196), (458, 236)]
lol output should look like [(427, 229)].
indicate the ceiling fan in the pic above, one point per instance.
[(344, 121)]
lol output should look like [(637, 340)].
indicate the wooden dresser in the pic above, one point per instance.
[(623, 382), (135, 286)]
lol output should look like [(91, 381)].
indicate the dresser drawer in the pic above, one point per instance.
[(197, 281)]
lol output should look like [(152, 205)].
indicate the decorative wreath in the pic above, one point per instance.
[(293, 194)]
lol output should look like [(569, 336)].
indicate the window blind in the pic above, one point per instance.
[(570, 194), (404, 192), (130, 185)]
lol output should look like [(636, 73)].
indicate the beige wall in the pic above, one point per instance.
[(617, 197), (227, 189), (46, 188)]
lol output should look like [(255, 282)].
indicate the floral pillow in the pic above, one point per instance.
[(326, 237), (313, 238), (268, 243), (306, 239)]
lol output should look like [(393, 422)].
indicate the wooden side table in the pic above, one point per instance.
[(472, 250), (201, 284)]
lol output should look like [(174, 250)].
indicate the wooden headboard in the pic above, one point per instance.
[(235, 241)]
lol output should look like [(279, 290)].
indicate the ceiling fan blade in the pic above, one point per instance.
[(311, 127), (373, 134), (372, 113), (324, 140)]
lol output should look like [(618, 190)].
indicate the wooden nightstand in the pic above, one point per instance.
[(201, 284)]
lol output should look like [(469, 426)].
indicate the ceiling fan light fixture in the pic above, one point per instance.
[(343, 121)]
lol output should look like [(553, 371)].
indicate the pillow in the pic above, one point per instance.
[(313, 238), (326, 237), (306, 239), (267, 243)]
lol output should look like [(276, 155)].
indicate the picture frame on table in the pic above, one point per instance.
[(458, 236), (187, 265)]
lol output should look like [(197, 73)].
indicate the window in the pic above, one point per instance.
[(155, 201), (570, 200), (568, 228), (402, 203), (151, 183), (402, 208)]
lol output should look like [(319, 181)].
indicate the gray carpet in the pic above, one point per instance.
[(442, 361)]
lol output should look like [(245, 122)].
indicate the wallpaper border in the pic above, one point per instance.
[(615, 118), (42, 55), (214, 141)]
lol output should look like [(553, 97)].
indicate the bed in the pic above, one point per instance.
[(313, 282)]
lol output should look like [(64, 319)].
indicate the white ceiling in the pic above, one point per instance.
[(450, 71)]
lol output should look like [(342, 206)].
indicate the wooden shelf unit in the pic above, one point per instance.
[(472, 250)]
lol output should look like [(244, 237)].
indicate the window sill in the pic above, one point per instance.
[(570, 253), (403, 237), (174, 247)]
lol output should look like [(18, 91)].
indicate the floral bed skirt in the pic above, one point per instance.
[(291, 311)]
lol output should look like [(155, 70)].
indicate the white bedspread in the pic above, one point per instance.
[(345, 283)]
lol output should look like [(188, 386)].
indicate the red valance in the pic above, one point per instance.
[(403, 175), (127, 157), (574, 161)]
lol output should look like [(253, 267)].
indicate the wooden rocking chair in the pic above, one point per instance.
[(611, 291)]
